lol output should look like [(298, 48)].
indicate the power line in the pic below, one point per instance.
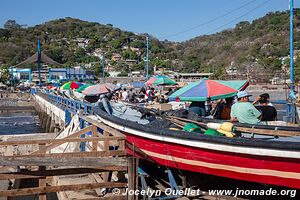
[(210, 21), (260, 5)]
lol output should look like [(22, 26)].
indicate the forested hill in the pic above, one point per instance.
[(70, 41), (250, 46), (258, 45)]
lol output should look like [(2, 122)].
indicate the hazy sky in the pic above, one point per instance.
[(175, 20)]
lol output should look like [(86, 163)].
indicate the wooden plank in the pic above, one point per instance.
[(64, 140), (267, 132), (106, 175), (97, 179), (74, 135), (106, 143), (47, 189), (74, 154), (31, 136), (136, 174), (130, 178), (42, 183), (102, 126), (95, 134), (114, 197), (23, 108), (58, 172), (122, 145), (248, 130), (58, 161)]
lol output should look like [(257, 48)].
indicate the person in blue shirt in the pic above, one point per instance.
[(198, 107)]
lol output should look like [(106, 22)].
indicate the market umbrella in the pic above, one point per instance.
[(70, 85), (215, 89), (49, 87), (83, 87), (137, 84), (99, 89), (2, 85), (160, 80)]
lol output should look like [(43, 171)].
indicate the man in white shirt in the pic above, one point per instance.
[(124, 95)]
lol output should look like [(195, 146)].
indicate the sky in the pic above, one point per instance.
[(174, 20)]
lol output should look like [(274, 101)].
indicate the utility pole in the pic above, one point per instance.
[(102, 62), (292, 95), (39, 62), (147, 58)]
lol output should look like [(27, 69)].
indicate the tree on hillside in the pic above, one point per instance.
[(4, 74), (11, 24), (4, 35)]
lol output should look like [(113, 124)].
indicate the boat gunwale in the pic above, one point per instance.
[(243, 142)]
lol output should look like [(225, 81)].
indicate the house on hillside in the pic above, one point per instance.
[(114, 73), (231, 70), (98, 52), (116, 57), (190, 77), (135, 74), (130, 62), (131, 48), (82, 42)]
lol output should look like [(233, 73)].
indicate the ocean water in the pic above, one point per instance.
[(19, 122)]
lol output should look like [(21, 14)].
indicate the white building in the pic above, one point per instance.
[(76, 73)]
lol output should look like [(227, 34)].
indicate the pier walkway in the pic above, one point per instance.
[(77, 157)]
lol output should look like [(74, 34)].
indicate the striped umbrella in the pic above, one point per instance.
[(70, 85), (83, 87), (160, 80), (215, 89), (99, 89)]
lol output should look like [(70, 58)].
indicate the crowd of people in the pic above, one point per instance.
[(143, 95), (235, 109), (238, 110)]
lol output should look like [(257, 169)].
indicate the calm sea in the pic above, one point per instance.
[(19, 122)]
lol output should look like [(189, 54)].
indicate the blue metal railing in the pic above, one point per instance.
[(283, 108), (70, 104)]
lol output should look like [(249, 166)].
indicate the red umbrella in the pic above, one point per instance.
[(49, 87)]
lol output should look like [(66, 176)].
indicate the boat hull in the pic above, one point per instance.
[(262, 169), (268, 162)]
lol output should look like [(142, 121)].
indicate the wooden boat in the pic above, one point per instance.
[(269, 161)]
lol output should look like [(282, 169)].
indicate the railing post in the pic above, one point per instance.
[(75, 105), (85, 109), (82, 125), (67, 116)]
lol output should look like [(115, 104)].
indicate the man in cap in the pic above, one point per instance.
[(243, 111)]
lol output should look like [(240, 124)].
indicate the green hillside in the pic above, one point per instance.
[(253, 48)]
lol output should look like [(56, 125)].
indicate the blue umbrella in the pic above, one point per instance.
[(137, 84)]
